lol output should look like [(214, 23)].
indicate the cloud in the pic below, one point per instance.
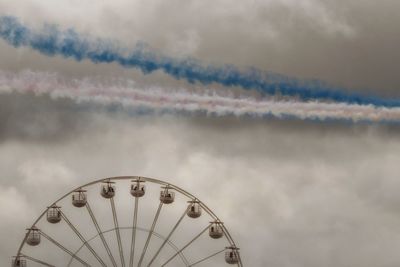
[(16, 215), (37, 172), (292, 193), (308, 194), (334, 42), (14, 206)]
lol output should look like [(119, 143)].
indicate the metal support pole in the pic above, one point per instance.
[(63, 248), (168, 237), (184, 247), (121, 251), (37, 261), (82, 239), (133, 241), (96, 225), (208, 257), (150, 234)]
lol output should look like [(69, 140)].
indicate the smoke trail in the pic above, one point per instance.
[(209, 102), (52, 41)]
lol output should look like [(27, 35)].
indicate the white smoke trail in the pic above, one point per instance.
[(209, 102)]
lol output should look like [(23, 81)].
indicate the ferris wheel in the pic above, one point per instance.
[(134, 221)]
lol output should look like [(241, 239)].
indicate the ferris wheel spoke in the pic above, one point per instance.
[(100, 232), (64, 248), (168, 237), (115, 217), (150, 234), (37, 261), (188, 244), (208, 257), (133, 241), (82, 239)]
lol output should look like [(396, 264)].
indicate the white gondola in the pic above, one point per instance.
[(53, 214), (107, 190), (167, 196), (33, 238), (194, 209), (79, 198), (232, 255), (18, 262), (216, 231), (138, 189)]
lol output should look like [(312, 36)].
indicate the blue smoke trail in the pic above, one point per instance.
[(51, 41)]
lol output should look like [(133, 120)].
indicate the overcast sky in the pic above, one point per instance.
[(291, 192)]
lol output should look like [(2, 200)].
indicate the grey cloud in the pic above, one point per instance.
[(348, 43), (291, 195), (37, 119)]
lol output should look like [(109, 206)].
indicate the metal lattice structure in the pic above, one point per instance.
[(168, 228)]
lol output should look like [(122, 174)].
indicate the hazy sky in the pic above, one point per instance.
[(292, 192)]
